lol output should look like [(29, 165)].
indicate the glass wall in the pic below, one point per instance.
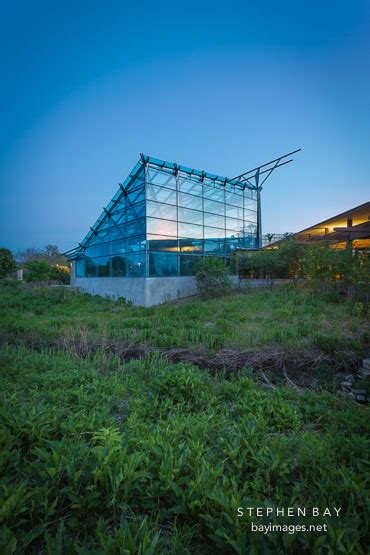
[(192, 216), (116, 245), (163, 219)]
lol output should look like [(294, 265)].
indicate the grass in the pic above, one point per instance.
[(148, 456)]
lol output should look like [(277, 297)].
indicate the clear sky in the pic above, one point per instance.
[(221, 86)]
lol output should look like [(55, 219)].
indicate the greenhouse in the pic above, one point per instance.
[(162, 220)]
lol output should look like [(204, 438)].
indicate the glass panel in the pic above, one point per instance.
[(136, 212), (249, 203), (188, 186), (232, 223), (250, 215), (190, 201), (213, 206), (214, 247), (190, 230), (118, 247), (162, 264), (234, 211), (232, 244), (80, 267), (188, 264), (90, 251), (107, 223), (162, 243), (91, 270), (233, 198), (103, 249), (160, 194), (135, 228), (213, 193), (102, 265), (119, 218), (158, 210), (117, 232), (134, 244), (102, 236), (249, 241), (161, 227), (232, 234), (213, 233), (135, 265), (118, 266), (250, 227), (135, 196), (191, 245), (162, 178), (213, 220), (190, 216)]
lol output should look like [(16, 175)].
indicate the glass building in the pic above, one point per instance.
[(163, 219)]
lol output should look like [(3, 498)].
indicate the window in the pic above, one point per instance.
[(166, 179), (118, 266), (160, 194), (135, 228), (135, 265), (102, 266), (161, 227), (190, 230), (162, 243), (135, 212), (102, 249), (233, 223), (135, 196), (162, 264), (191, 246), (190, 201), (214, 247), (214, 233), (213, 220), (159, 210), (190, 216), (188, 264), (213, 193), (188, 186), (80, 267), (214, 207)]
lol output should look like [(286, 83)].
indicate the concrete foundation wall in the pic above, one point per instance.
[(140, 291)]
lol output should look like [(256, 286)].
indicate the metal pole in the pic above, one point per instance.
[(259, 214)]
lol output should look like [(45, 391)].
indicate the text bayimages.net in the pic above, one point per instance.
[(289, 512)]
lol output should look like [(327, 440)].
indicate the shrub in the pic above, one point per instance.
[(60, 273), (212, 277), (7, 263), (40, 270), (37, 270)]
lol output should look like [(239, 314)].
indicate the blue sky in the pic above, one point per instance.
[(219, 86)]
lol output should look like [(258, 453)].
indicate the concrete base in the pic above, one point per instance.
[(140, 291)]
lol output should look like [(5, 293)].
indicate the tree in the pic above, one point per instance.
[(212, 277), (50, 253), (7, 263), (37, 270)]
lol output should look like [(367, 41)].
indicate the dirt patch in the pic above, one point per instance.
[(297, 366)]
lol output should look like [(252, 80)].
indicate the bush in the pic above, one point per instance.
[(7, 263), (40, 270), (212, 277), (60, 273)]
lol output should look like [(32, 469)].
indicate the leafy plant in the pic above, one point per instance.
[(212, 277), (7, 263)]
